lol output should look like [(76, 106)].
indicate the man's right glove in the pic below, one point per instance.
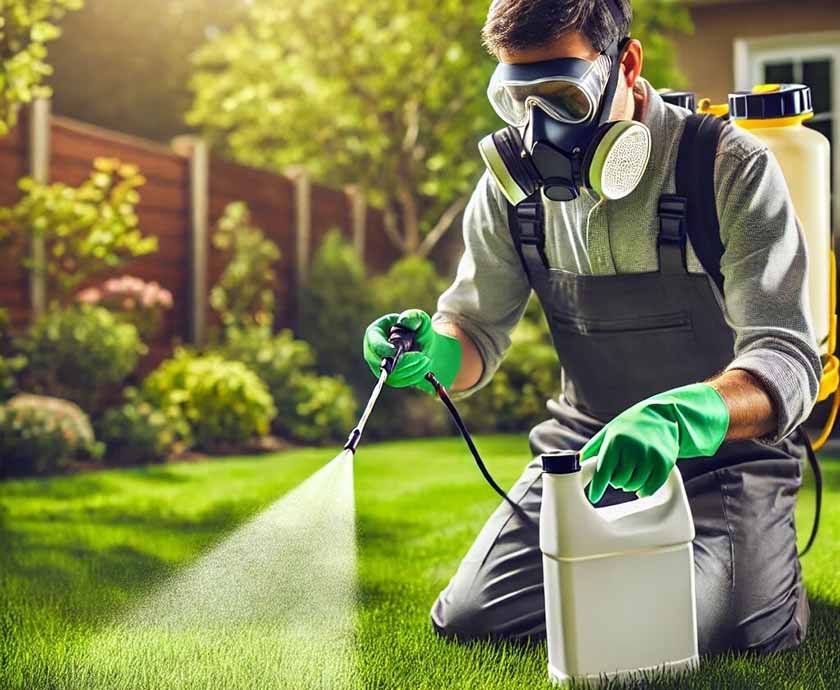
[(437, 353)]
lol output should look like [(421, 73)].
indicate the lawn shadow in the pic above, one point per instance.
[(53, 488)]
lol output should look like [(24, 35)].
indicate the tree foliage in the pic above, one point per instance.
[(25, 28), (387, 95), (655, 22), (125, 65), (384, 94)]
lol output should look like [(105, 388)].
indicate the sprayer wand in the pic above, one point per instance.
[(403, 341)]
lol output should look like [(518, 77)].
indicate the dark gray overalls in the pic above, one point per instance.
[(621, 338)]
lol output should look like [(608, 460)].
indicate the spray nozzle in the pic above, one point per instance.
[(404, 340)]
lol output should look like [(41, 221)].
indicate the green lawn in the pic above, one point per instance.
[(77, 551)]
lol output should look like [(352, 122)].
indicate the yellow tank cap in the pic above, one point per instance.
[(706, 107), (766, 88)]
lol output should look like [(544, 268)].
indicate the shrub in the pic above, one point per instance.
[(335, 309), (134, 300), (80, 353), (324, 409), (410, 282), (11, 363), (515, 398), (408, 413), (136, 432), (223, 401), (87, 229), (244, 295), (309, 407), (40, 435)]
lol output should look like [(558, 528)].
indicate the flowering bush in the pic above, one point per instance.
[(134, 299), (40, 434)]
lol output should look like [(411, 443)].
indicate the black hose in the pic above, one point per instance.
[(456, 417), (818, 481)]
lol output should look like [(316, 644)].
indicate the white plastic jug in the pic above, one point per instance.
[(619, 580)]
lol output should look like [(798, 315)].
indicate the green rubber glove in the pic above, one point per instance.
[(638, 449), (437, 353)]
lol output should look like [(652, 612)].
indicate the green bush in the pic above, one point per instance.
[(309, 407), (410, 282), (137, 432), (88, 230), (244, 295), (39, 435), (335, 308), (324, 409), (515, 398), (223, 401), (11, 363), (80, 353)]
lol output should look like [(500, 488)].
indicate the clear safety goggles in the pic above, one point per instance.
[(568, 89)]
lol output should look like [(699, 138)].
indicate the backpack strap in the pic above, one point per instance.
[(526, 223), (695, 186)]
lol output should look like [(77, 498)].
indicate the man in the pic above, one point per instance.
[(660, 367)]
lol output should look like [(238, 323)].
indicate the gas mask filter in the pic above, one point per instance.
[(559, 137)]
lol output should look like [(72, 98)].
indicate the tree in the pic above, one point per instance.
[(385, 94), (25, 28), (125, 65)]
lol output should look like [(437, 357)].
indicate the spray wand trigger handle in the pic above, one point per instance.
[(403, 340)]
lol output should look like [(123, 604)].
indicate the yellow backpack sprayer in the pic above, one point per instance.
[(775, 114)]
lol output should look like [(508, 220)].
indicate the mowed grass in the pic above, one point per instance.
[(77, 551)]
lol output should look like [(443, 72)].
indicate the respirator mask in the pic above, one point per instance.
[(558, 137)]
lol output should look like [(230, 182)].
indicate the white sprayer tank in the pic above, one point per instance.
[(619, 580), (775, 113)]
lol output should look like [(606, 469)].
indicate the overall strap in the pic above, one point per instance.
[(692, 211), (526, 223)]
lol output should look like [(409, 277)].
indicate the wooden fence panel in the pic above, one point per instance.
[(14, 278), (165, 212), (331, 209)]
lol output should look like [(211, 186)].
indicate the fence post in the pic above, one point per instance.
[(358, 218), (199, 155), (39, 170), (303, 223)]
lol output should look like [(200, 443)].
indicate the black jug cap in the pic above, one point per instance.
[(561, 462)]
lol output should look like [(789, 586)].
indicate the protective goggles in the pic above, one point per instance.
[(567, 89)]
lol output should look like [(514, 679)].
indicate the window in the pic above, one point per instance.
[(813, 60)]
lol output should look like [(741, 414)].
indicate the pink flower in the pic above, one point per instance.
[(89, 296)]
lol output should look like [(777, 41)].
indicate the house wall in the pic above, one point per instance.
[(707, 57)]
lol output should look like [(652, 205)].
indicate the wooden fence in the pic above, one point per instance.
[(186, 192)]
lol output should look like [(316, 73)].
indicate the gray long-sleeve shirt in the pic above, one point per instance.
[(764, 263)]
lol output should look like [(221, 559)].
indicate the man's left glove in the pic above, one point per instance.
[(638, 449)]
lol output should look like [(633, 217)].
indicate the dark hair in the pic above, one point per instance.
[(521, 24)]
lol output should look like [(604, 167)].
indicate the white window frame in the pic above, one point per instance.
[(752, 53)]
